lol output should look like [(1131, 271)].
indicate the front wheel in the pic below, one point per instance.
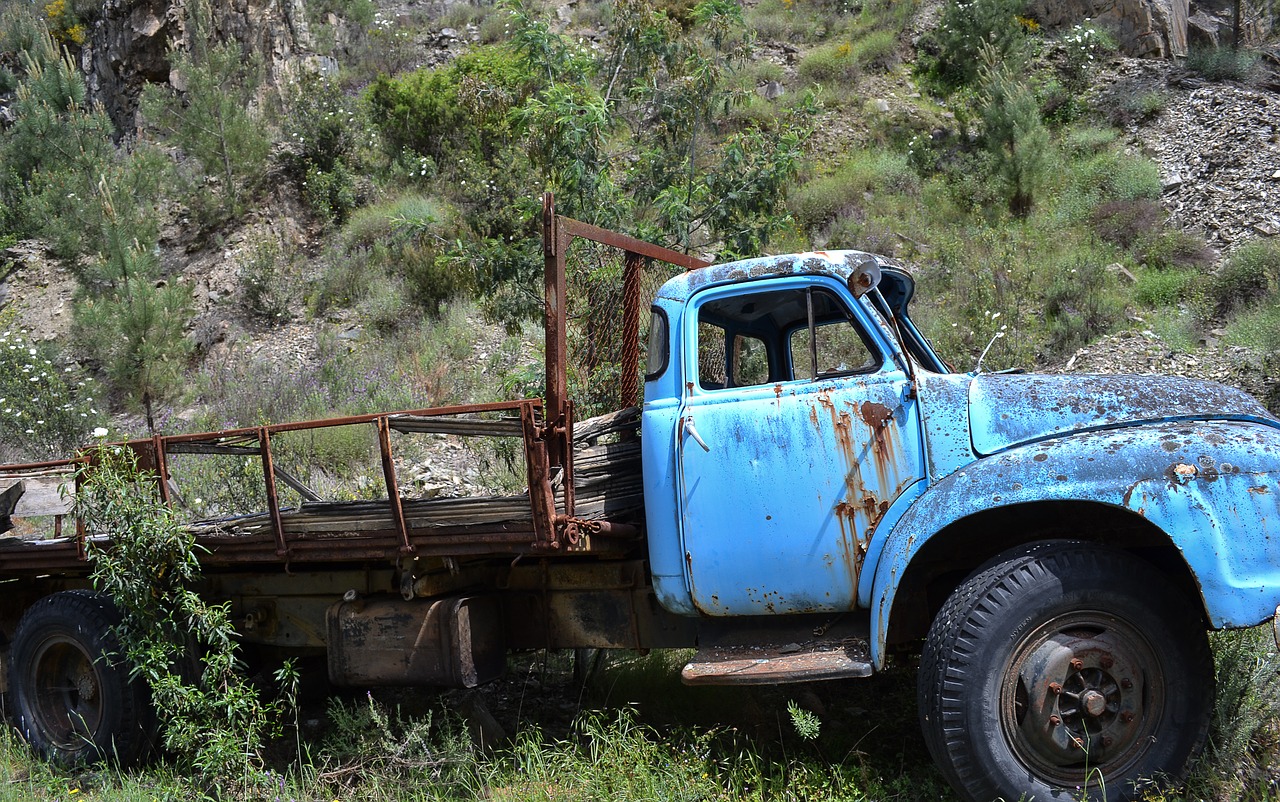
[(73, 697), (1065, 669)]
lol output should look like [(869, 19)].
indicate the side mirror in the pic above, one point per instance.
[(864, 278)]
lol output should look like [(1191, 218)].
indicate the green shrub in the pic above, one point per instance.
[(132, 323), (212, 118), (184, 647), (22, 32), (1258, 327), (1080, 304), (1014, 136), (359, 12), (1135, 178), (1083, 47), (321, 126), (1126, 222), (434, 111), (48, 406), (1173, 248), (331, 194), (1222, 63), (1127, 104), (1250, 275), (963, 30), (1088, 141), (1242, 735), (270, 293), (869, 171), (1163, 288), (342, 282), (875, 49), (829, 63)]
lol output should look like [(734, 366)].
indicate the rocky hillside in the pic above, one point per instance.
[(1216, 145)]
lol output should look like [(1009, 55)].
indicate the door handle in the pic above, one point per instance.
[(692, 432)]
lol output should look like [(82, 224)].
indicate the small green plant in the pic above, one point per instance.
[(1249, 276), (133, 324), (865, 173), (1242, 735), (829, 63), (1082, 47), (807, 724), (1163, 288), (1080, 304)]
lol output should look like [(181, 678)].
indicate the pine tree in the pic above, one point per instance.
[(210, 119)]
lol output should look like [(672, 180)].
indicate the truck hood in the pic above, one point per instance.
[(1007, 410)]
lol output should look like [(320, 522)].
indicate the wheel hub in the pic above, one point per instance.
[(65, 693), (1077, 699)]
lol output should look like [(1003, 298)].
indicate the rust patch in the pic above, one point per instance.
[(875, 415), (1260, 490), (851, 554)]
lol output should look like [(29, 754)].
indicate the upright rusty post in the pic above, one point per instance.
[(629, 389), (393, 487), (555, 297), (162, 468), (273, 498)]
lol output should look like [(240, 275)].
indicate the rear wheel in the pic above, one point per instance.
[(73, 698), (1065, 668)]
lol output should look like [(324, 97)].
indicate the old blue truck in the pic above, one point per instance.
[(811, 490)]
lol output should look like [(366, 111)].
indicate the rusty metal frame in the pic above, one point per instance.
[(547, 431), (558, 233)]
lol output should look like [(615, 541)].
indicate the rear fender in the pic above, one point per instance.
[(1212, 488)]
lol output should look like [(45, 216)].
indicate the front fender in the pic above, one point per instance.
[(1213, 489)]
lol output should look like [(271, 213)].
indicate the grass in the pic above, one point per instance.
[(633, 732)]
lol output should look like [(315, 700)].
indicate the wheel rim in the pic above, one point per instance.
[(66, 702), (1082, 699)]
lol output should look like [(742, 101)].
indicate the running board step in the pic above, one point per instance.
[(772, 664)]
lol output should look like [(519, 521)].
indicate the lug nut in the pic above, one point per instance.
[(1126, 683), (1106, 661), (1076, 664), (1107, 740), (1054, 721), (1055, 687), (1126, 717)]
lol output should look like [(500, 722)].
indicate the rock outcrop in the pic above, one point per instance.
[(1155, 28), (129, 42)]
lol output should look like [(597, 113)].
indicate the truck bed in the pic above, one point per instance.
[(602, 513)]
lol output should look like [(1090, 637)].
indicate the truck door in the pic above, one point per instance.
[(796, 433)]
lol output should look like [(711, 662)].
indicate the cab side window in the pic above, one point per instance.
[(765, 337)]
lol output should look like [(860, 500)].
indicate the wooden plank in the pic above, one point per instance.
[(41, 497)]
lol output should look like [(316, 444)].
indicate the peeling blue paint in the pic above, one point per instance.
[(814, 494)]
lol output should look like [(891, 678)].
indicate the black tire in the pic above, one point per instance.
[(1062, 670), (72, 703)]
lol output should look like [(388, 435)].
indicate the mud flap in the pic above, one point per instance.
[(455, 642)]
